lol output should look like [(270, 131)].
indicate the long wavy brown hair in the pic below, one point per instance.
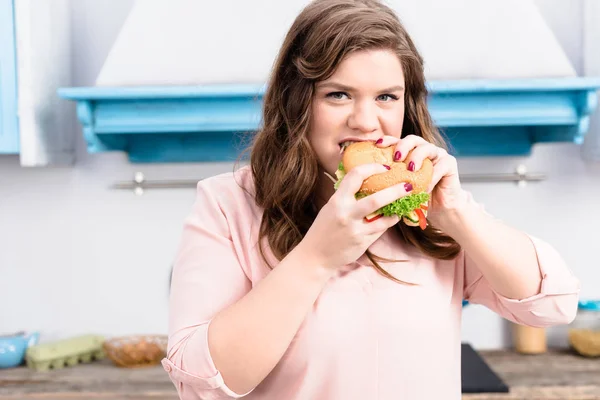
[(284, 167)]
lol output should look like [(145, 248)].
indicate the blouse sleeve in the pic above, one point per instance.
[(555, 304), (207, 277)]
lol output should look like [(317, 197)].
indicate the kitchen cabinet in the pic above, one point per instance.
[(9, 127), (35, 60)]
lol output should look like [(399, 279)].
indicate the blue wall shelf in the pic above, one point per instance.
[(203, 123)]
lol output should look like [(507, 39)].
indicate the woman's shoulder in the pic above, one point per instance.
[(226, 205), (238, 178), (230, 191)]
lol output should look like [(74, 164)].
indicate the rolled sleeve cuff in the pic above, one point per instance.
[(193, 372), (556, 303)]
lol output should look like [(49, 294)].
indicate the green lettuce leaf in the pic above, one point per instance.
[(340, 173), (404, 205)]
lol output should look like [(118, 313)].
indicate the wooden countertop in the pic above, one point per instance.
[(555, 375)]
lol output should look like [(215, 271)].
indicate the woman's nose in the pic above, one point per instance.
[(363, 118)]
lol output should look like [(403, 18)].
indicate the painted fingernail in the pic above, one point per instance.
[(397, 156), (408, 187), (387, 166), (411, 166), (379, 141)]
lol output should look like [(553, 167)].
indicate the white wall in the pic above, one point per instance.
[(76, 257)]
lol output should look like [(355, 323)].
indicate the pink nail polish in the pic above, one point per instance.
[(379, 141), (411, 166), (408, 187), (397, 156), (387, 166)]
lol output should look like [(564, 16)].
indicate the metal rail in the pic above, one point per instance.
[(139, 183)]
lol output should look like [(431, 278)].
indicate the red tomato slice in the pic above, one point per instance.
[(373, 217), (422, 219)]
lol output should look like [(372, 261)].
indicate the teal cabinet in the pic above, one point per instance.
[(9, 127)]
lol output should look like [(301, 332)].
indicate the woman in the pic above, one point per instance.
[(280, 289)]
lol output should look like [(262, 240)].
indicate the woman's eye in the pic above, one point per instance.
[(387, 97), (337, 95)]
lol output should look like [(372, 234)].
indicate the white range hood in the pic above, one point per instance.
[(187, 42)]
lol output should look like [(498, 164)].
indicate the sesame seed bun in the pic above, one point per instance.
[(359, 153)]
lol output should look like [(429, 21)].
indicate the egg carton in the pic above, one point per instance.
[(65, 352)]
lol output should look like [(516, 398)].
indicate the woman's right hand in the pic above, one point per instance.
[(340, 233)]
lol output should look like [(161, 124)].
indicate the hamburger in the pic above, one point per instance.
[(412, 208)]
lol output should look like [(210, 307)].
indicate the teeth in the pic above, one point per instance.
[(346, 143)]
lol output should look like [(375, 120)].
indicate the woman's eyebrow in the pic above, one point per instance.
[(339, 86)]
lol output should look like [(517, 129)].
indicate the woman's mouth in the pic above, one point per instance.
[(347, 143)]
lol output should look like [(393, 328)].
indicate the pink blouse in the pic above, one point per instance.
[(366, 336)]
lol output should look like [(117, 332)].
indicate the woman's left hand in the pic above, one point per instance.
[(445, 189)]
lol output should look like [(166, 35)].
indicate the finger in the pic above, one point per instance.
[(446, 168), (381, 224), (353, 180), (405, 145), (375, 201), (386, 141), (420, 153)]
